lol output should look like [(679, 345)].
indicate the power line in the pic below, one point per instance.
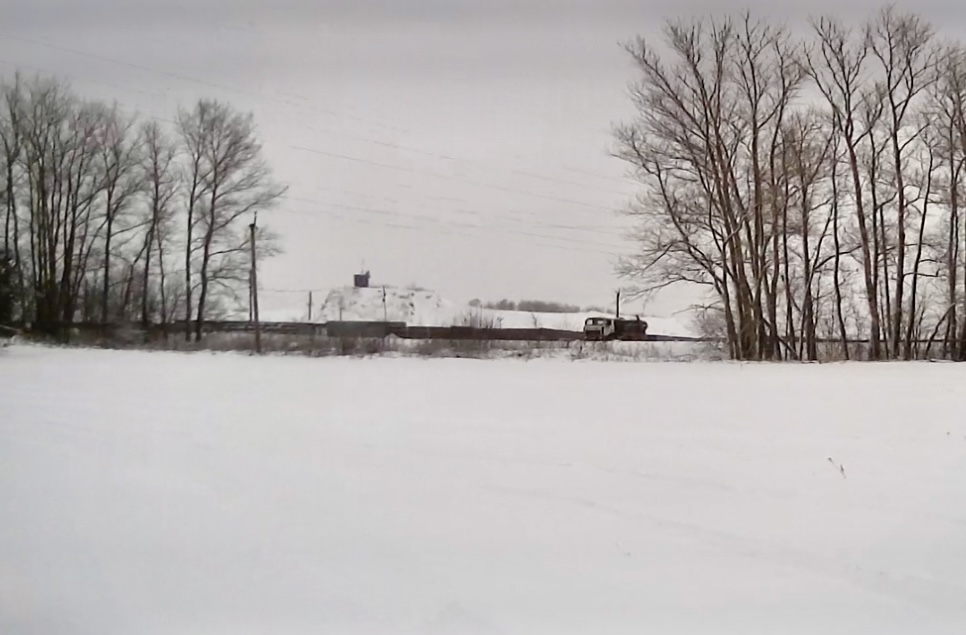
[(439, 225), (327, 111), (589, 229), (446, 157), (439, 229), (594, 228), (446, 226), (148, 69), (447, 177), (591, 209)]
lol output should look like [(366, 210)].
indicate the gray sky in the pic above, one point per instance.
[(457, 144)]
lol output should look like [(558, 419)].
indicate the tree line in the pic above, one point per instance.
[(530, 306), (110, 217), (813, 185)]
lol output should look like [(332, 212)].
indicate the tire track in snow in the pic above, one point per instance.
[(920, 593)]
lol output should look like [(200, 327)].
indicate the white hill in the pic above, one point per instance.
[(422, 307), (412, 306)]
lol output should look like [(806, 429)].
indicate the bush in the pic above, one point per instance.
[(477, 319)]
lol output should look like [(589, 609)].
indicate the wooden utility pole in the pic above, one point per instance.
[(251, 316), (310, 306), (254, 288), (617, 313), (385, 311)]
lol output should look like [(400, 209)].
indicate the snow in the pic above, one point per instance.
[(413, 306), (421, 307), (163, 493)]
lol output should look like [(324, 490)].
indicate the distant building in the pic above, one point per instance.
[(361, 280)]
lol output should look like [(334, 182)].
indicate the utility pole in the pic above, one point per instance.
[(254, 288), (251, 316), (618, 306), (310, 306), (385, 311)]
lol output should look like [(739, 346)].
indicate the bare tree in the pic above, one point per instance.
[(160, 175), (779, 208), (924, 178), (946, 114), (46, 156), (10, 138), (120, 159), (808, 151), (228, 181), (193, 126), (679, 229), (837, 276), (91, 214), (707, 146), (84, 188), (901, 44), (837, 65)]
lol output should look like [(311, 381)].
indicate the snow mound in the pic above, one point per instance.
[(412, 306)]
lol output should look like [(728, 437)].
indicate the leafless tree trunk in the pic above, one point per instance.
[(930, 150), (949, 115), (901, 44), (159, 165), (194, 127), (837, 246), (874, 167), (809, 143), (84, 185), (120, 158), (837, 66), (10, 138)]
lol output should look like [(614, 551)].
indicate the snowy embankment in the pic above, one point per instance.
[(418, 307), (218, 493)]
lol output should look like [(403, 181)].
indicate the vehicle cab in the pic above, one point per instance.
[(599, 328)]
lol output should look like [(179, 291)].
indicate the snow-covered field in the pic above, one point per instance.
[(167, 493)]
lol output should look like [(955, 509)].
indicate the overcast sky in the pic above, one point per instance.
[(460, 145)]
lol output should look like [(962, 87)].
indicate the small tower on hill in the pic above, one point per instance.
[(361, 280)]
